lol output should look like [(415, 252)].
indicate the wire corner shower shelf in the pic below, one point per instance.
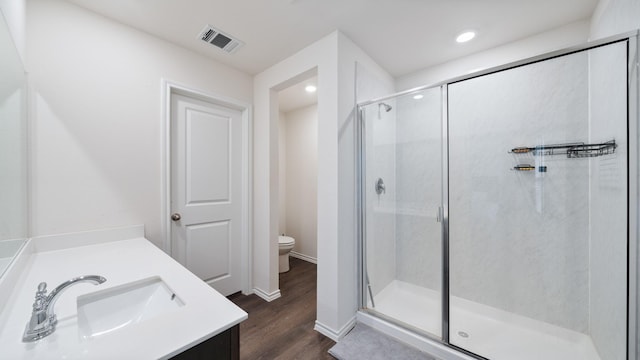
[(572, 150)]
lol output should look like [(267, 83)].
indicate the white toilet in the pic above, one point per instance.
[(285, 245)]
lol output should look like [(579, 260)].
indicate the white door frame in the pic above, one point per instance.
[(168, 89)]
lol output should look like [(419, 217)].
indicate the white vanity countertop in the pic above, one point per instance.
[(205, 313)]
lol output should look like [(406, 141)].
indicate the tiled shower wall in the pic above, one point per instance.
[(610, 18), (608, 201), (380, 133), (419, 189), (381, 209), (519, 240)]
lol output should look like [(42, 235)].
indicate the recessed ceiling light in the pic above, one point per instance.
[(418, 96), (310, 89), (465, 36)]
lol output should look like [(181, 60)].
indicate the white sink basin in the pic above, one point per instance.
[(102, 312)]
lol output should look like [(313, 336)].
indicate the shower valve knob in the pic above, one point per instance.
[(380, 187)]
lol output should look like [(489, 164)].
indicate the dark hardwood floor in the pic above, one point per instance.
[(283, 328)]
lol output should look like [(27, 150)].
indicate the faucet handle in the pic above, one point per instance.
[(42, 287), (41, 295)]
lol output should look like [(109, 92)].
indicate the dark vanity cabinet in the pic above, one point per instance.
[(223, 346)]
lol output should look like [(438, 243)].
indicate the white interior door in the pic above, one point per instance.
[(206, 204)]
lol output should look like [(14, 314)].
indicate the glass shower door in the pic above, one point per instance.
[(538, 209), (402, 247)]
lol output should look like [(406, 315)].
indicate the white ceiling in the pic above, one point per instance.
[(296, 97), (401, 35)]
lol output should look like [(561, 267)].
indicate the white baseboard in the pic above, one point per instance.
[(269, 297), (247, 291), (304, 257), (332, 334)]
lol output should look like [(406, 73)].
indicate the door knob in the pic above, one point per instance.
[(176, 217)]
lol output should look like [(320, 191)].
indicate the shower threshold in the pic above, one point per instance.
[(487, 331)]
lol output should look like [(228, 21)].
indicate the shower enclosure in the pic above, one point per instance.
[(498, 212)]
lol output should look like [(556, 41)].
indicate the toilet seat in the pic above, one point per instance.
[(285, 245), (285, 240)]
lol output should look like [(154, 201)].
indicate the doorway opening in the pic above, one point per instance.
[(298, 172)]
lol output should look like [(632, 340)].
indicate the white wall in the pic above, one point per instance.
[(320, 58), (14, 12), (97, 117), (301, 180), (13, 156), (571, 34), (333, 58), (282, 172), (350, 91), (612, 17), (13, 140)]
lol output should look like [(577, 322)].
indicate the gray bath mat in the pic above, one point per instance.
[(365, 343)]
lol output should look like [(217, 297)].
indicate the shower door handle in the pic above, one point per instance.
[(439, 214)]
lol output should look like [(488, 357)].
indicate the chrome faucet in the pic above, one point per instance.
[(43, 318)]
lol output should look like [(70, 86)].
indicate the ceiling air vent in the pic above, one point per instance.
[(220, 39)]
